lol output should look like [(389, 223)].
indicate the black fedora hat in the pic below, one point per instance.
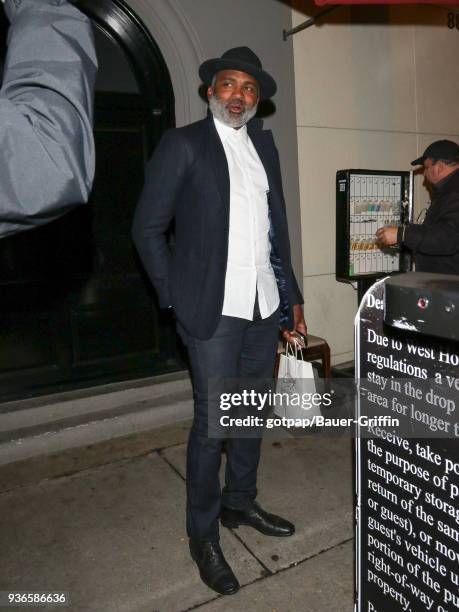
[(245, 60)]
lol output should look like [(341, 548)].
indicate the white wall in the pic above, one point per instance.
[(374, 86)]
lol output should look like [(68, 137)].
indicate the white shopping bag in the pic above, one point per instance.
[(295, 387)]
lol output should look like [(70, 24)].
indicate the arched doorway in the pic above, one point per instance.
[(76, 307)]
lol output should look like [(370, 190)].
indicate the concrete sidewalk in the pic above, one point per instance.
[(114, 536)]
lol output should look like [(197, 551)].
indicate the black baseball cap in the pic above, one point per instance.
[(440, 149)]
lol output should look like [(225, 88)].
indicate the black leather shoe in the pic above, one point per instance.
[(256, 517), (213, 568)]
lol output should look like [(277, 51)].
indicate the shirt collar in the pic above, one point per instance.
[(225, 131)]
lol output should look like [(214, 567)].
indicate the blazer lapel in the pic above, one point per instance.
[(263, 146), (219, 163), (262, 141), (258, 137)]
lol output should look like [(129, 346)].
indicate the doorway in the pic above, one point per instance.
[(77, 309)]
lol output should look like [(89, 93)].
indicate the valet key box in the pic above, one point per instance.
[(424, 303), (365, 201)]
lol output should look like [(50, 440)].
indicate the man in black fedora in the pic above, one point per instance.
[(435, 243), (229, 280)]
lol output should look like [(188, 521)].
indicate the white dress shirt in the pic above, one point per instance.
[(249, 268)]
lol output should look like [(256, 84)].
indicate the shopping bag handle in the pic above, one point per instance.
[(295, 351)]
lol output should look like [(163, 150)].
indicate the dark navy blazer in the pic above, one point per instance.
[(187, 179)]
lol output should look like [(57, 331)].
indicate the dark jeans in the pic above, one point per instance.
[(239, 348)]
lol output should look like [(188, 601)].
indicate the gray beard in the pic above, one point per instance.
[(219, 110)]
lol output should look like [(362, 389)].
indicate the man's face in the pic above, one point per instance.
[(431, 171), (234, 97)]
